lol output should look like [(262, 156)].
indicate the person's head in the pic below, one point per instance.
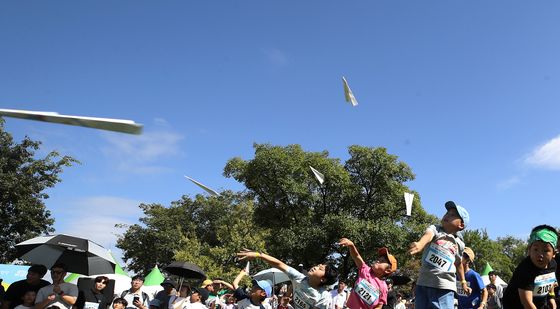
[(137, 282), (168, 286), (491, 288), (385, 264), (35, 273), (100, 283), (542, 244), (285, 300), (260, 290), (119, 303), (230, 299), (389, 283), (199, 295), (492, 276), (208, 285), (468, 257), (322, 274), (28, 298), (341, 285), (455, 219), (58, 272)]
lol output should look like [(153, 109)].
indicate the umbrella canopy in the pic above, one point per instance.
[(185, 270), (273, 275), (80, 255)]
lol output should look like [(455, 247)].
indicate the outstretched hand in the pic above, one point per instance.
[(414, 248), (247, 255), (345, 242)]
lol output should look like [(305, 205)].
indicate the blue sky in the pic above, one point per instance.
[(465, 92)]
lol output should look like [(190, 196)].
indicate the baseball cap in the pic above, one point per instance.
[(392, 260), (206, 283), (169, 282), (469, 252), (263, 285), (202, 292), (463, 213)]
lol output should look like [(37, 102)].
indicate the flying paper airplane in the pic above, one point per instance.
[(320, 177), (348, 95), (408, 198), (118, 125), (205, 188), (247, 268)]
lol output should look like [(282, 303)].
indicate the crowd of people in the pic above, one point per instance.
[(445, 280)]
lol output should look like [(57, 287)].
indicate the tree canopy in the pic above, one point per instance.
[(23, 181)]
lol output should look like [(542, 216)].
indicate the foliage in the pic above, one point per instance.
[(23, 181)]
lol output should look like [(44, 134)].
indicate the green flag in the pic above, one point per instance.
[(486, 270), (154, 277)]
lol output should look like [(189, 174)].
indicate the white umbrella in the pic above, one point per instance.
[(273, 275)]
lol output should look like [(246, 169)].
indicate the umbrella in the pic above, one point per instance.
[(81, 256), (273, 275), (185, 270)]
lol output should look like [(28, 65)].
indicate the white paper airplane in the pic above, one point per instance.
[(320, 177), (118, 125), (408, 198), (247, 269), (205, 188), (348, 95)]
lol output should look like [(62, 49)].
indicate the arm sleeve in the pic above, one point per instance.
[(294, 274), (325, 301), (240, 294)]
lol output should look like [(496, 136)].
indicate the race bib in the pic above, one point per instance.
[(90, 305), (439, 257), (544, 284), (460, 290), (366, 292), (300, 301)]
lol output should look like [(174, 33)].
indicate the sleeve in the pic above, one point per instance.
[(40, 296), (294, 275), (72, 290), (433, 229), (479, 281), (240, 294), (522, 278), (363, 271), (325, 301), (383, 292)]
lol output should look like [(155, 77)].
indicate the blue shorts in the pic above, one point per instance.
[(429, 298)]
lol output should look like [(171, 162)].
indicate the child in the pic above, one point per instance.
[(309, 291), (370, 289), (534, 277), (493, 299), (254, 300), (119, 303), (479, 295), (28, 300), (441, 261)]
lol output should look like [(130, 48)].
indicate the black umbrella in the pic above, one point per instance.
[(81, 256), (185, 270)]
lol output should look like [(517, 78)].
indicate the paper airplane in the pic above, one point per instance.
[(205, 188), (408, 198), (320, 177), (348, 95), (118, 125), (247, 269)]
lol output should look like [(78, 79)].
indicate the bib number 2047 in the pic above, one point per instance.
[(437, 260)]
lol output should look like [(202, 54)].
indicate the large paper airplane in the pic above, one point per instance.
[(247, 268), (320, 177), (117, 125), (205, 188), (348, 95), (408, 198)]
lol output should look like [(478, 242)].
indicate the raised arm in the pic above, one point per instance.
[(358, 260), (418, 246), (235, 283), (227, 285), (247, 254)]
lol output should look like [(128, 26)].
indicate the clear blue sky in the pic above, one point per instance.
[(466, 92)]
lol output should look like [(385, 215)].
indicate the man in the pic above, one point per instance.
[(169, 289), (339, 296), (499, 288), (33, 281), (134, 296), (59, 293)]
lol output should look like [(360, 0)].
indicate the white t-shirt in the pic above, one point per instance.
[(197, 305), (22, 307), (305, 296), (338, 299), (68, 289), (129, 297), (178, 301)]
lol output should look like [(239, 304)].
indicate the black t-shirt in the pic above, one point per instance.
[(88, 295), (527, 276), (17, 289)]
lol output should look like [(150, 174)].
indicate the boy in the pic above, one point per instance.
[(370, 290), (309, 291), (441, 261), (534, 277), (479, 295), (254, 300), (28, 300), (493, 299), (198, 298)]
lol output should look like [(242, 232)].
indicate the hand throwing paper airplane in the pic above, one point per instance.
[(408, 198), (117, 125), (348, 95), (205, 188), (320, 177)]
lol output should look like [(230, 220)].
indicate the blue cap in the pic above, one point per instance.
[(463, 213), (264, 285)]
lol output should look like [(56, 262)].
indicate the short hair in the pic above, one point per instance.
[(491, 286), (101, 278), (492, 273), (59, 265), (138, 277), (331, 275), (38, 269), (120, 300)]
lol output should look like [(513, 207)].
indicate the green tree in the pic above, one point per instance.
[(516, 250), (23, 181)]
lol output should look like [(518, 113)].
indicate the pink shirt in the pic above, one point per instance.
[(368, 290)]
